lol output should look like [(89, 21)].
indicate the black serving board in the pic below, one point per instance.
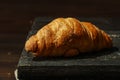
[(105, 63)]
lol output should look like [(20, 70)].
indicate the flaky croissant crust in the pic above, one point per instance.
[(67, 37)]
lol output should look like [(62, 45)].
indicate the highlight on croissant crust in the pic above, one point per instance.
[(67, 37)]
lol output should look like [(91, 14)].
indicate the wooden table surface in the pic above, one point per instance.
[(16, 18)]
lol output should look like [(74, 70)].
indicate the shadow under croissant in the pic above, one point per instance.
[(89, 55)]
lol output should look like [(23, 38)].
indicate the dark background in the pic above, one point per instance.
[(16, 18)]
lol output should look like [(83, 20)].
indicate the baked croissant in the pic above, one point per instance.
[(67, 37)]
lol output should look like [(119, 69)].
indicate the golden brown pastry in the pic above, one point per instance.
[(67, 37)]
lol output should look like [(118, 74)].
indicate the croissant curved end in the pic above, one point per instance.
[(31, 44)]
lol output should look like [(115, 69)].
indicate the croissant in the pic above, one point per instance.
[(67, 37)]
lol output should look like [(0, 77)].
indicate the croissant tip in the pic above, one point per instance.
[(31, 44)]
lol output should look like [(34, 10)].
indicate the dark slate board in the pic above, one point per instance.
[(105, 63)]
